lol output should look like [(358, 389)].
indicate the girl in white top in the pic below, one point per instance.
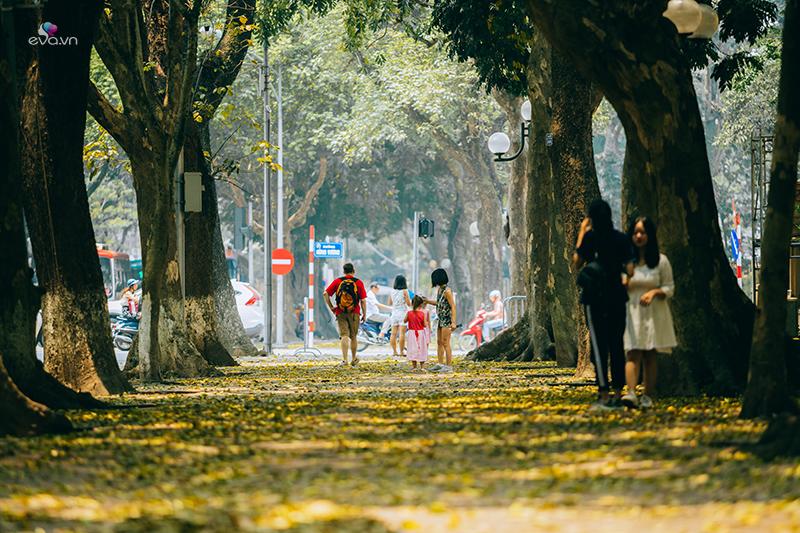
[(649, 326), (401, 303)]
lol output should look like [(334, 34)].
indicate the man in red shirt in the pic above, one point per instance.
[(351, 302)]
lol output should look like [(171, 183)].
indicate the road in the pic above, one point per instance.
[(326, 352)]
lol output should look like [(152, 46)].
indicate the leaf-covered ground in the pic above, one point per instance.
[(297, 447)]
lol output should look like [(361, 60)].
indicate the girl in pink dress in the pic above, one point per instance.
[(419, 333)]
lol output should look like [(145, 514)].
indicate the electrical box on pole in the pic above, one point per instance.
[(192, 192)]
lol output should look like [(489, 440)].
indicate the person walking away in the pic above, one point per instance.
[(607, 254), (374, 306), (650, 329), (446, 312), (495, 319), (419, 333), (351, 302), (401, 302)]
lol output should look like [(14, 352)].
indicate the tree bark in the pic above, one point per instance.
[(164, 347), (648, 81), (151, 54), (18, 298), (78, 347), (767, 390), (538, 201), (574, 187), (214, 325), (20, 415), (539, 343)]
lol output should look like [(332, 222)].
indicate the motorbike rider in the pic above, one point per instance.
[(131, 300), (495, 319), (374, 306)]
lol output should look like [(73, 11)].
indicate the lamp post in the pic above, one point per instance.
[(698, 21), (499, 143)]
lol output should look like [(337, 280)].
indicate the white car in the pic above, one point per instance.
[(248, 303)]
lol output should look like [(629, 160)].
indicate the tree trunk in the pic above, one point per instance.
[(78, 347), (538, 200), (667, 175), (211, 317), (21, 416), (164, 346), (574, 187), (539, 343), (767, 390), (156, 96), (18, 298)]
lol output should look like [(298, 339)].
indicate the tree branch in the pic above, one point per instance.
[(298, 218), (109, 118)]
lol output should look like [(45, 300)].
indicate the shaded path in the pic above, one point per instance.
[(313, 447)]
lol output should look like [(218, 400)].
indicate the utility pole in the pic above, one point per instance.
[(280, 312), (251, 278), (415, 240), (267, 301)]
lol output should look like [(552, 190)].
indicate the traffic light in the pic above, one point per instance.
[(426, 226)]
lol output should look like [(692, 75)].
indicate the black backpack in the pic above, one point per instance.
[(347, 294), (592, 280)]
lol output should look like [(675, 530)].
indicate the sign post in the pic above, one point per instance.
[(311, 286), (328, 250), (282, 261)]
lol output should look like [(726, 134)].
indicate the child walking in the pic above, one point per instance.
[(419, 333)]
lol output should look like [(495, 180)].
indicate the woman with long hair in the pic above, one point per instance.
[(607, 254), (649, 320), (401, 302)]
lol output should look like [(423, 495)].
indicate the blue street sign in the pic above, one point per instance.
[(328, 250), (734, 245)]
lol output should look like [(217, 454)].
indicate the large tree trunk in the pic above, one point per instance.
[(78, 348), (214, 324), (648, 81), (18, 299), (536, 338), (151, 54), (767, 390), (164, 346), (211, 317), (574, 187)]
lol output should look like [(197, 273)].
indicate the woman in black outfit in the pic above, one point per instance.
[(609, 254)]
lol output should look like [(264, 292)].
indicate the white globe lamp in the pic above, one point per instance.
[(685, 14), (499, 143)]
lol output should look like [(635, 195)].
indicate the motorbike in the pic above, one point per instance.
[(369, 334), (472, 335), (124, 329)]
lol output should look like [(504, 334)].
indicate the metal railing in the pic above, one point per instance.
[(514, 307)]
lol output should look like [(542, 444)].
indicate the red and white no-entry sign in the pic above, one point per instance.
[(282, 261)]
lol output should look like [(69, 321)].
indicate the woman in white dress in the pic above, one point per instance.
[(401, 303), (649, 328)]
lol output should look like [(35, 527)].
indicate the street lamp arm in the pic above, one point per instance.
[(524, 130)]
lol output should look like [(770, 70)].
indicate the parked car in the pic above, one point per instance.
[(248, 303)]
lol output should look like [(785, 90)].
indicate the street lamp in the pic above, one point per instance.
[(207, 31), (700, 21), (499, 143)]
